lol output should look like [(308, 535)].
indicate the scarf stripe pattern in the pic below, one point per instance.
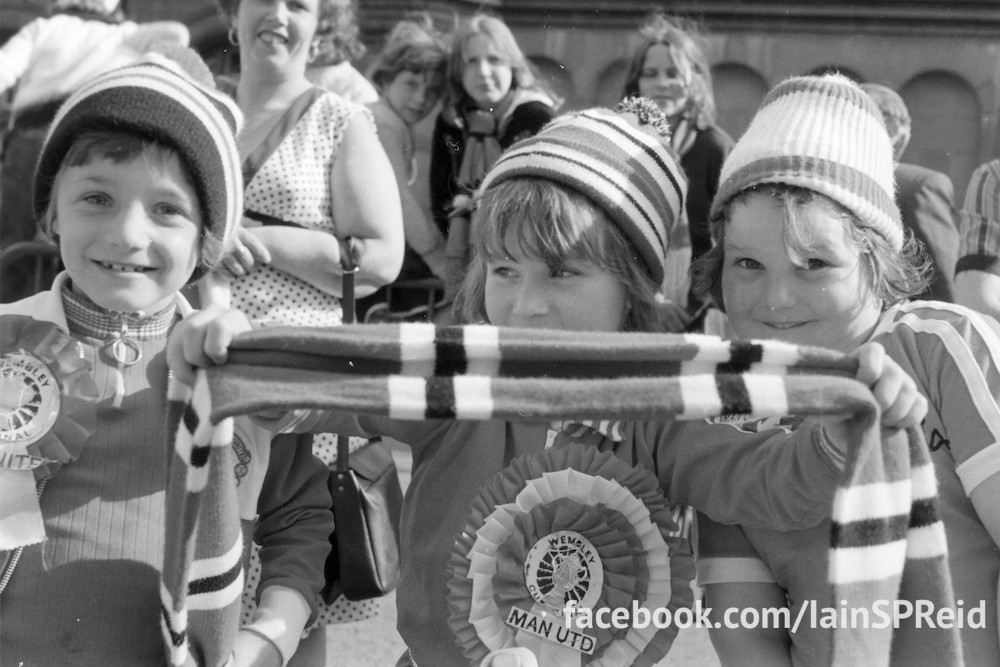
[(203, 575), (885, 504)]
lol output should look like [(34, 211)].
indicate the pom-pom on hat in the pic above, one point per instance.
[(621, 160), (168, 98), (825, 134)]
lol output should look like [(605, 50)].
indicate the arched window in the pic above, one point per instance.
[(739, 90), (946, 132), (558, 78)]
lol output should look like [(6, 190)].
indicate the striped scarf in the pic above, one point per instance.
[(887, 542)]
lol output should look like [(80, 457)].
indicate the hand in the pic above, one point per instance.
[(895, 391), (202, 339), (510, 657), (252, 650), (246, 254)]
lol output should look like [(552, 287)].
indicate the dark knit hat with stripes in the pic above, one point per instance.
[(825, 134), (171, 100), (621, 160)]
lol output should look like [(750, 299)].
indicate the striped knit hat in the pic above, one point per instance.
[(825, 134), (158, 99), (620, 160)]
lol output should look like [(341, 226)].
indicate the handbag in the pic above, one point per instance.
[(367, 501)]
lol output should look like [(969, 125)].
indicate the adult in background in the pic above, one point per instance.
[(926, 197), (314, 174), (492, 99), (977, 271), (669, 67), (338, 46), (48, 59)]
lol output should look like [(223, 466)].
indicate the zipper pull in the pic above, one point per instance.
[(126, 352)]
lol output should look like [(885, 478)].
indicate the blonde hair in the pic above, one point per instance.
[(894, 275), (553, 223)]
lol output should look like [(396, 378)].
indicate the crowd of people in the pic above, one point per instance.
[(189, 209)]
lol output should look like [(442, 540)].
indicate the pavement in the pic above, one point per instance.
[(375, 642)]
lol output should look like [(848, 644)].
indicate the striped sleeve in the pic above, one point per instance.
[(979, 222), (954, 354)]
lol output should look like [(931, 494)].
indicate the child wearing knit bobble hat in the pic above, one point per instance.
[(139, 183), (570, 233), (810, 249)]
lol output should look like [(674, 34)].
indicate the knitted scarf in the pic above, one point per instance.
[(887, 542)]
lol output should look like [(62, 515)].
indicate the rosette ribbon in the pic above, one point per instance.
[(47, 412), (575, 503)]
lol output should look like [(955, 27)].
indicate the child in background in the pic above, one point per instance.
[(492, 99), (139, 184), (810, 249), (563, 242), (409, 74)]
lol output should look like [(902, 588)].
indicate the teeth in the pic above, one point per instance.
[(271, 38), (122, 267)]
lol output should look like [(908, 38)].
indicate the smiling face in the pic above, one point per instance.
[(817, 295), (277, 34), (129, 231), (665, 80), (486, 75), (413, 94)]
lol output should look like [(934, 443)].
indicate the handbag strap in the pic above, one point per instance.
[(349, 263)]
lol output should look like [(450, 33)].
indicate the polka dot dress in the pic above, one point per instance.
[(294, 185)]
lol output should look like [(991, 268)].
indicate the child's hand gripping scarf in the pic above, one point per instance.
[(887, 542)]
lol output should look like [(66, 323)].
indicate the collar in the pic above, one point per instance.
[(86, 318)]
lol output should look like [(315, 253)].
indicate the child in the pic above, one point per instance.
[(810, 249), (139, 184), (40, 65), (571, 230), (492, 99), (409, 74)]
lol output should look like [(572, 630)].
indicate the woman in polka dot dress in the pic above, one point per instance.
[(314, 171)]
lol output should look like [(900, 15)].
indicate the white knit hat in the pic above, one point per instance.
[(825, 134), (621, 160)]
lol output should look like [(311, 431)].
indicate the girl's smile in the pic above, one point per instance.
[(818, 295)]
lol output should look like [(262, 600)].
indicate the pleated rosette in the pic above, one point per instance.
[(47, 396), (569, 524)]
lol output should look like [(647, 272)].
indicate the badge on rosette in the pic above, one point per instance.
[(47, 394), (556, 540)]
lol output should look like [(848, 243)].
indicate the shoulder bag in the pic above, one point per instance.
[(367, 500)]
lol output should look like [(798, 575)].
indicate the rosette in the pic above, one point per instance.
[(568, 526), (47, 397)]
